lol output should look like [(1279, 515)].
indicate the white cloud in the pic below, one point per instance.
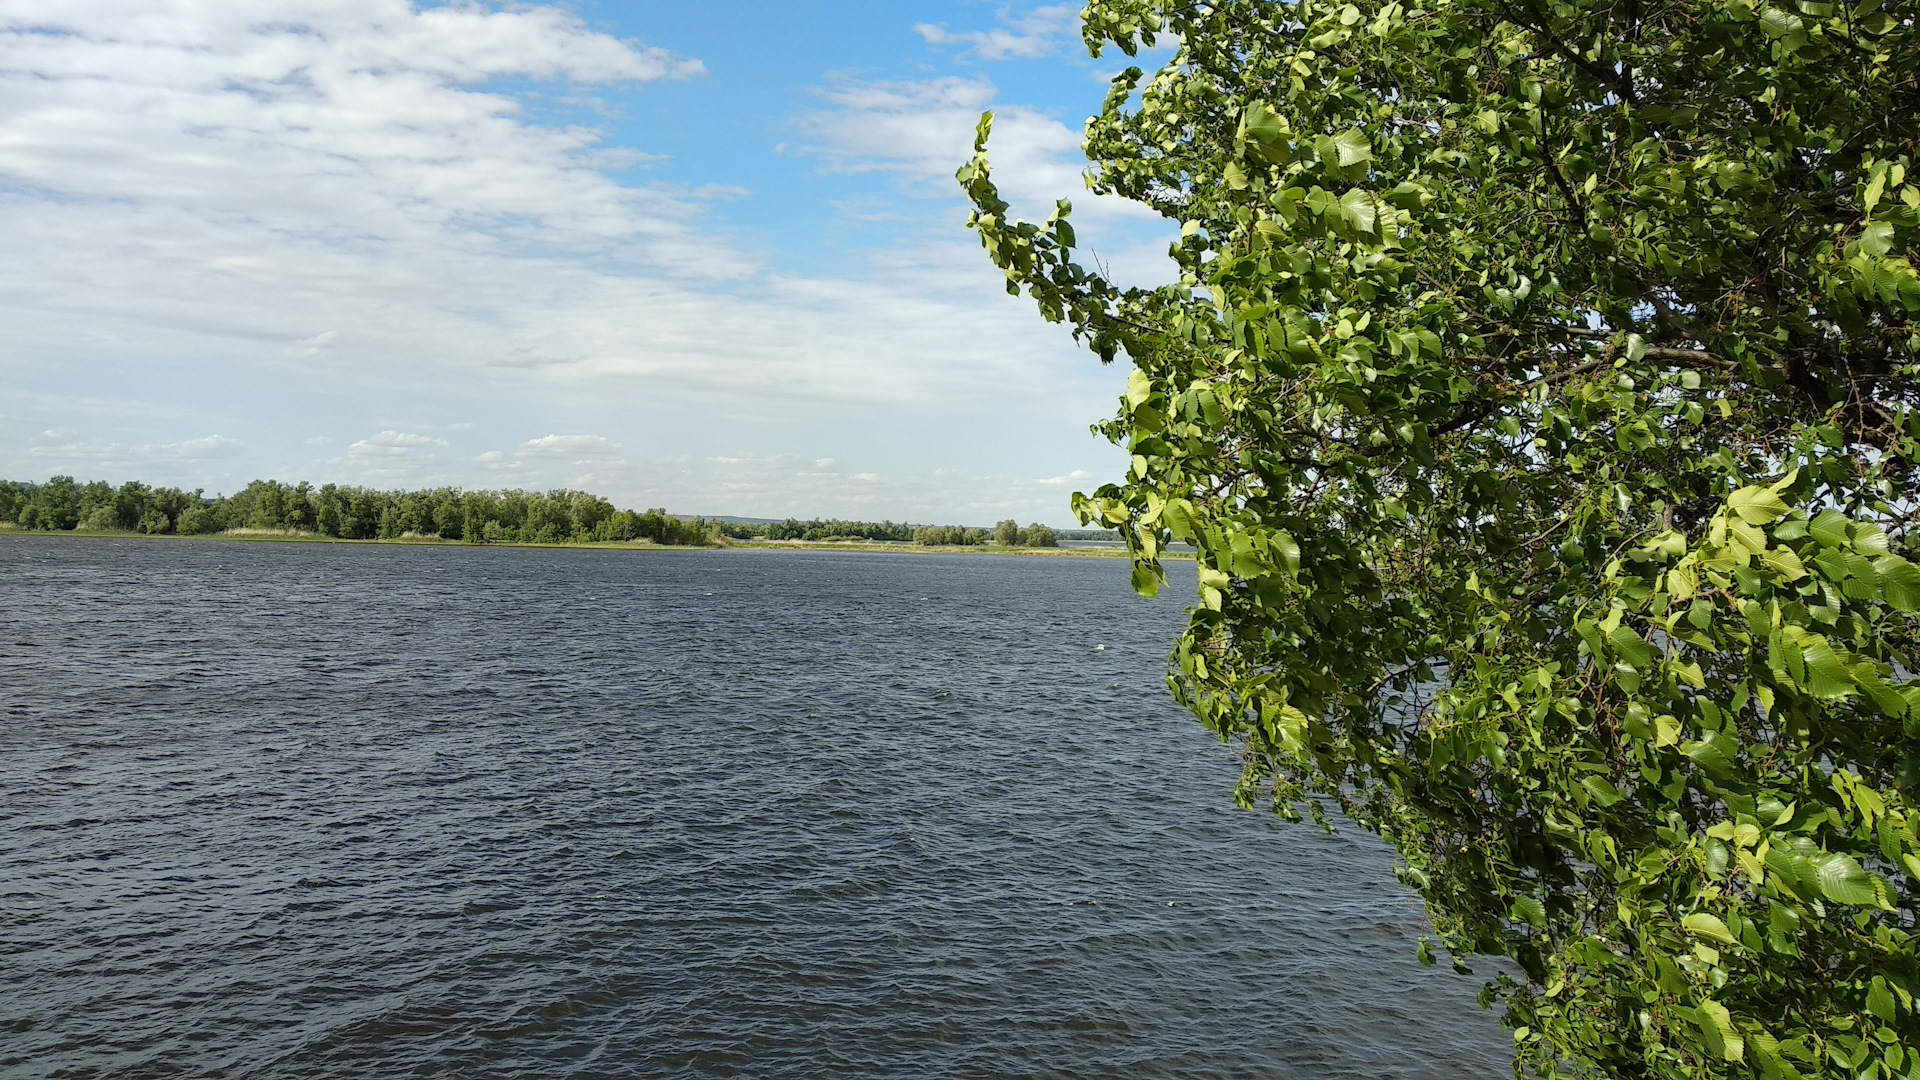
[(923, 131), (213, 446), (399, 440), (314, 345), (570, 445), (319, 440), (1038, 33), (61, 449)]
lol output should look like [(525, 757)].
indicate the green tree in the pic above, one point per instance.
[(1538, 395), (1038, 535), (196, 521), (1007, 533)]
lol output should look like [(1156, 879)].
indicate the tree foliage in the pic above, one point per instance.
[(348, 513), (818, 530), (1538, 394)]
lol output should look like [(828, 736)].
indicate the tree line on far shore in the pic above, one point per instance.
[(1006, 534), (480, 517), (348, 513)]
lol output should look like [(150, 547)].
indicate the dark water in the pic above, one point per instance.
[(313, 811)]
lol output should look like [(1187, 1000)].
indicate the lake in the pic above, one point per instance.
[(304, 810)]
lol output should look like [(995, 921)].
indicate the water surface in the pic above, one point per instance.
[(278, 810)]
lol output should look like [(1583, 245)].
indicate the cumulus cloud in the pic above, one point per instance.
[(63, 450), (313, 346), (397, 440), (1030, 36), (570, 445), (344, 120), (922, 131), (213, 446)]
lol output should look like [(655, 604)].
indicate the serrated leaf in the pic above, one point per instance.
[(1877, 238), (1285, 546), (1352, 148), (1830, 528), (1757, 505), (1827, 677), (1139, 387), (1841, 880), (1529, 910), (1884, 697), (1880, 1001), (1778, 23), (1785, 562), (1602, 792), (1868, 539), (1629, 646), (1265, 133), (1358, 209), (1899, 583), (1714, 753), (1703, 925), (1717, 1031), (1666, 731)]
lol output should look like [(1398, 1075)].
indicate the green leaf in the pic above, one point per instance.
[(1602, 792), (1357, 208), (1529, 910), (1285, 546), (1785, 562), (1714, 753), (1757, 505), (1899, 583), (1717, 1031), (1631, 648), (1826, 677), (1841, 880), (1880, 1001), (1352, 148), (1868, 539), (1877, 239), (1830, 528), (1703, 925), (1666, 730), (1265, 133)]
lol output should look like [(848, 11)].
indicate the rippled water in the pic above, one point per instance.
[(330, 811)]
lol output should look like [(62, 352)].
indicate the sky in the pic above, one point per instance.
[(709, 257)]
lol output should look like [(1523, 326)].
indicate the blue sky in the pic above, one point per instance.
[(708, 257)]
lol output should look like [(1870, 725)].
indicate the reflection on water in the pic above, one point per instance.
[(316, 811)]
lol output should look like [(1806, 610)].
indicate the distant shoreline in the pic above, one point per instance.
[(269, 537)]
